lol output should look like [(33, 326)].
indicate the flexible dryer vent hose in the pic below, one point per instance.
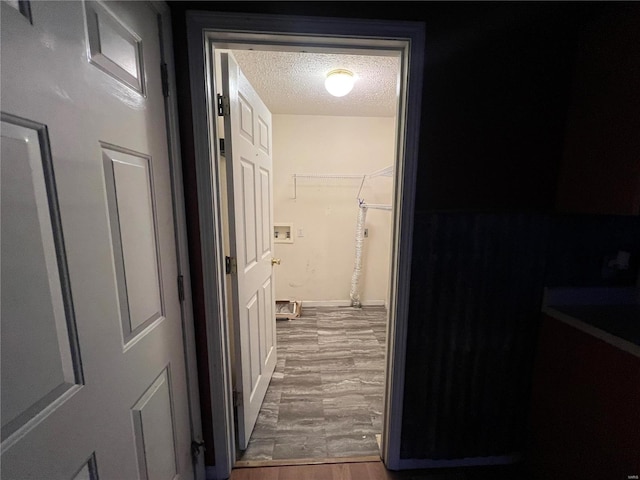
[(357, 269)]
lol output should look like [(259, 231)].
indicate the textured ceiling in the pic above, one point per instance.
[(293, 82)]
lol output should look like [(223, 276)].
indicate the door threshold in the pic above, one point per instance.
[(305, 461)]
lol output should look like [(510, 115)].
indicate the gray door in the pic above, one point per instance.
[(93, 370)]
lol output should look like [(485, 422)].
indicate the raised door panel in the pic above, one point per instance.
[(267, 333), (89, 470), (264, 135), (40, 359), (131, 200), (154, 431), (22, 6), (246, 119), (265, 211), (249, 214), (114, 47), (252, 327)]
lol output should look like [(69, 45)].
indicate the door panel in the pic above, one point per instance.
[(88, 255), (247, 221), (37, 342), (114, 47), (154, 431), (248, 146), (131, 202), (266, 325), (253, 326), (265, 191)]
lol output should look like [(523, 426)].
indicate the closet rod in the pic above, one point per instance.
[(324, 175), (329, 176), (377, 206)]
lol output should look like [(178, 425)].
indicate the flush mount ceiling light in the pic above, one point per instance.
[(339, 82)]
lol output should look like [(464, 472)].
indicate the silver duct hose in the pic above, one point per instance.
[(357, 269)]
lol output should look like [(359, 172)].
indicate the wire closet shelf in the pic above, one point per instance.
[(340, 178)]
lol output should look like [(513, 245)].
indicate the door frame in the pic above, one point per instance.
[(321, 33), (180, 228)]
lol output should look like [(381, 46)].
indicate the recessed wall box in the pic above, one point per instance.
[(283, 232)]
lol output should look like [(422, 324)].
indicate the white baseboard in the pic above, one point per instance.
[(341, 303), (417, 463)]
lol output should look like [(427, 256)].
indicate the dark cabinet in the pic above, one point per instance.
[(600, 166), (585, 406)]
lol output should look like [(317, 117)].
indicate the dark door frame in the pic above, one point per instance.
[(206, 29)]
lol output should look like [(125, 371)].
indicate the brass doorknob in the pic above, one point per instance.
[(275, 261)]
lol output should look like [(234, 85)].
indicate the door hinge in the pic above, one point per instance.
[(195, 448), (223, 105), (230, 265), (164, 72), (181, 288), (237, 398)]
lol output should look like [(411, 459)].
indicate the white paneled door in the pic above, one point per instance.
[(93, 369), (248, 149)]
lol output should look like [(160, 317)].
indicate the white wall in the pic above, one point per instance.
[(319, 266)]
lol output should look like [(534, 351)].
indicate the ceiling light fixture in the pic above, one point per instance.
[(339, 82)]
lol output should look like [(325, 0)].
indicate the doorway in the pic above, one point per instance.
[(208, 31), (333, 162)]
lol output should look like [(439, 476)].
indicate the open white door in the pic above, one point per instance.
[(247, 127), (93, 366)]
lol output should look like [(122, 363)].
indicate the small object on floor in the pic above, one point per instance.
[(288, 309)]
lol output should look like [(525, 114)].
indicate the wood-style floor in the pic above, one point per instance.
[(336, 471), (325, 397), (375, 471)]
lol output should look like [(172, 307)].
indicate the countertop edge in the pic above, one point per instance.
[(594, 331)]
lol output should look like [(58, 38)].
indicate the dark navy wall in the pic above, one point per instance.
[(476, 290)]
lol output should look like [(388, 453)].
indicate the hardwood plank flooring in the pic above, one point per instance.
[(377, 471), (336, 471)]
